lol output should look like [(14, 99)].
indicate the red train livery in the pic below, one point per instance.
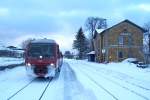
[(43, 58)]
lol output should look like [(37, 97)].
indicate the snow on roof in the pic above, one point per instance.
[(43, 41), (100, 30), (8, 49), (92, 52), (3, 48)]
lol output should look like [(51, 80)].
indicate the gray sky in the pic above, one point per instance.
[(61, 19)]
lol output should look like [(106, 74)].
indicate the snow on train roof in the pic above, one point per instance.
[(43, 41)]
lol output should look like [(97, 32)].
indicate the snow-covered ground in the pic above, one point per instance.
[(122, 81), (79, 80), (5, 61)]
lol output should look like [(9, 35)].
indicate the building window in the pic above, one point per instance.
[(120, 55), (130, 41), (120, 40)]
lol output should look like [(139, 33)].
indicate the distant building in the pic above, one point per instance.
[(11, 51), (91, 56), (121, 41), (68, 55)]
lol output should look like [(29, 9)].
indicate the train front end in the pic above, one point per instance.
[(42, 59)]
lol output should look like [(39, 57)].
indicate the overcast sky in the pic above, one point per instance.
[(61, 19)]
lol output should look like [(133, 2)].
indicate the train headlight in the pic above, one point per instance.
[(28, 64), (41, 57), (52, 64)]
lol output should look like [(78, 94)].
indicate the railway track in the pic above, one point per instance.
[(20, 90), (109, 80), (106, 72), (115, 98), (45, 88), (27, 85), (99, 85), (138, 94)]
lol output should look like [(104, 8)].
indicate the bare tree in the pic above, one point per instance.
[(26, 42), (147, 42), (93, 23)]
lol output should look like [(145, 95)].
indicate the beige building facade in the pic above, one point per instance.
[(121, 41)]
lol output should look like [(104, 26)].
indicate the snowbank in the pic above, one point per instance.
[(8, 62)]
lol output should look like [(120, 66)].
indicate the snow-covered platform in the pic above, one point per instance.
[(9, 62)]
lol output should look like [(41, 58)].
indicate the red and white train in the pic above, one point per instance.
[(43, 58)]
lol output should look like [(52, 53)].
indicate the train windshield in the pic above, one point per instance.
[(41, 50)]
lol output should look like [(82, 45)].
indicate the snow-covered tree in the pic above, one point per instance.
[(93, 23), (81, 44)]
